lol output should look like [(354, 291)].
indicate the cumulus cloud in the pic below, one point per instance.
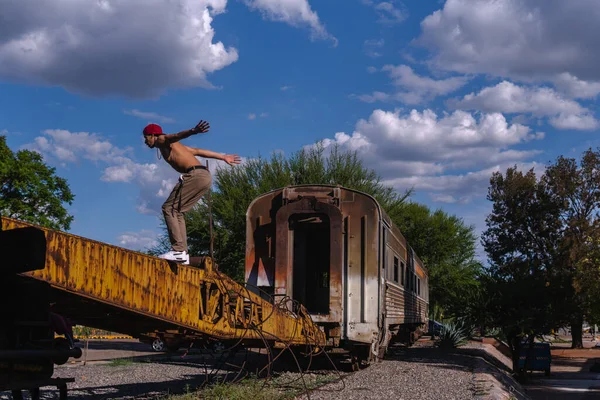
[(149, 116), (414, 88), (530, 39), (145, 239), (575, 87), (135, 48), (65, 146), (461, 188), (421, 149), (507, 97), (293, 12)]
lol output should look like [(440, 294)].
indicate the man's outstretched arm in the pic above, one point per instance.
[(228, 158), (202, 127)]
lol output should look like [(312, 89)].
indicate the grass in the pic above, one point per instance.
[(281, 387), (120, 362)]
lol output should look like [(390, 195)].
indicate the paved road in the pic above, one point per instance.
[(571, 377), (105, 350)]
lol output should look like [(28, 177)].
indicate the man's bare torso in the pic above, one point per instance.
[(179, 156)]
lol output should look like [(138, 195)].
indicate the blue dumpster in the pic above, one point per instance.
[(540, 359)]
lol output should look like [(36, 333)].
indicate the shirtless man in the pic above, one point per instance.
[(194, 182)]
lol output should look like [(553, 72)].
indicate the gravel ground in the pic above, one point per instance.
[(139, 380), (408, 374), (415, 373)]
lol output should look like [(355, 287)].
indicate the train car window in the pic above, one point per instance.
[(402, 274), (395, 269), (418, 286)]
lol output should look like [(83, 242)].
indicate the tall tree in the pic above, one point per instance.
[(544, 234), (30, 190), (522, 242), (576, 188)]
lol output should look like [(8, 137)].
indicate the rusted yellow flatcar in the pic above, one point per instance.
[(337, 252)]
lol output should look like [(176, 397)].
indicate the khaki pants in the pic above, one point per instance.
[(188, 191)]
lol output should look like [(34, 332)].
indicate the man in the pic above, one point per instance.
[(194, 181)]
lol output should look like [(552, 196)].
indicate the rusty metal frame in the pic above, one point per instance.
[(200, 299)]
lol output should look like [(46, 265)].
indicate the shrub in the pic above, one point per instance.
[(454, 334)]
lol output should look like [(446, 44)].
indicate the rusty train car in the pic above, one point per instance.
[(337, 252)]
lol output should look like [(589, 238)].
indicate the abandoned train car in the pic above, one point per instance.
[(336, 251)]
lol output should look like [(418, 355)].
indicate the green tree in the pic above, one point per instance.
[(448, 248), (30, 190), (522, 242), (576, 189)]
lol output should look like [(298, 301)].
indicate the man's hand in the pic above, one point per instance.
[(202, 127), (232, 159)]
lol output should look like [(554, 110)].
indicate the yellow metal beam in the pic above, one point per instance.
[(198, 298)]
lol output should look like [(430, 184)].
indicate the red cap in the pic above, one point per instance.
[(153, 129)]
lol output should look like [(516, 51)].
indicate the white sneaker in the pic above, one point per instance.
[(181, 257)]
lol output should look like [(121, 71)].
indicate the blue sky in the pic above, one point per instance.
[(433, 95)]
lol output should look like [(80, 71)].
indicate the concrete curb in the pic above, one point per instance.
[(492, 378)]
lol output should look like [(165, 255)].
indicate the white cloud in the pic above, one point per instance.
[(136, 48), (150, 116), (68, 146), (295, 13), (253, 116), (585, 122), (142, 240), (374, 97), (3, 132), (575, 87), (371, 47), (389, 12), (507, 97), (284, 88), (416, 148), (462, 188), (371, 70), (413, 88), (530, 39)]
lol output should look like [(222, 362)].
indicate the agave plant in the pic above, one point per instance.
[(453, 335)]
